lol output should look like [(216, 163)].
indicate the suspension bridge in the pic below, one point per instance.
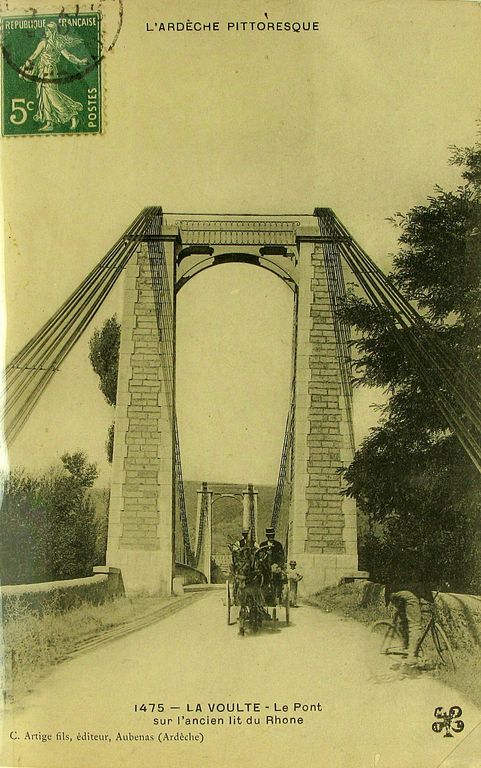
[(157, 255)]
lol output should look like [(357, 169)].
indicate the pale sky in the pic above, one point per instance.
[(358, 117)]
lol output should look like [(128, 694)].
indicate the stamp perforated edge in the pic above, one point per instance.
[(108, 42)]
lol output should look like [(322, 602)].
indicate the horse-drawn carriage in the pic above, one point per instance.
[(257, 586)]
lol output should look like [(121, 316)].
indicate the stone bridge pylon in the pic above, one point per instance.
[(301, 251)]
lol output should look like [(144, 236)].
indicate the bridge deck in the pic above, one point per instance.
[(193, 658)]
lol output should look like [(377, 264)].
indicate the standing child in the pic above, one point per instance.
[(294, 578)]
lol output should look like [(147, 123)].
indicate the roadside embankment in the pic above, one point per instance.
[(34, 641), (105, 584), (460, 616)]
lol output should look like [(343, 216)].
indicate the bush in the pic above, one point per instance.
[(48, 529)]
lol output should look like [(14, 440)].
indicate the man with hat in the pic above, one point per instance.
[(275, 548), (243, 541), (294, 578), (277, 560), (239, 551)]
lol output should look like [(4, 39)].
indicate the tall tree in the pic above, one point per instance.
[(416, 489), (104, 357)]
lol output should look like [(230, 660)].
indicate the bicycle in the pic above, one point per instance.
[(393, 640)]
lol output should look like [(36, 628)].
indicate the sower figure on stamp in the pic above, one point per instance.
[(294, 577), (53, 106)]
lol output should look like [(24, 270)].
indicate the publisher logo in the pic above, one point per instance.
[(449, 722)]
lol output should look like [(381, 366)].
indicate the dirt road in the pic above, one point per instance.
[(316, 673)]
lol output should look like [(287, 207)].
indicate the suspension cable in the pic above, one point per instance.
[(201, 529), (288, 440), (438, 368), (33, 367)]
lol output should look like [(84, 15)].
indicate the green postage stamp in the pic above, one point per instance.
[(51, 74)]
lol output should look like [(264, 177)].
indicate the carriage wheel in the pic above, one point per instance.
[(287, 598), (228, 600), (443, 647), (242, 620)]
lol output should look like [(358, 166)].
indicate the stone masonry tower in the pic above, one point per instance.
[(140, 538), (323, 529)]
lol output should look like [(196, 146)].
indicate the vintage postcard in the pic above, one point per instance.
[(241, 450)]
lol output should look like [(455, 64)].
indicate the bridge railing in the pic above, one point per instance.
[(189, 575)]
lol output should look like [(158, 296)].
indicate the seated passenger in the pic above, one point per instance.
[(242, 542), (275, 548)]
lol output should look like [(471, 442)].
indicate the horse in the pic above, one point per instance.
[(252, 577)]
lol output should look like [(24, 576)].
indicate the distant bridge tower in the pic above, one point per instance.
[(206, 496)]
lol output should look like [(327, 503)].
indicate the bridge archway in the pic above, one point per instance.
[(322, 522), (234, 374), (202, 262)]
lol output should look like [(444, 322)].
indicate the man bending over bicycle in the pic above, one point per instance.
[(406, 596)]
